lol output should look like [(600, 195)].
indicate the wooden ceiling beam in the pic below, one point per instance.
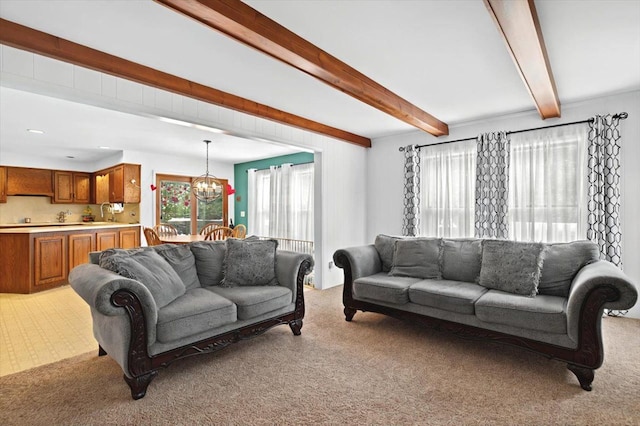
[(25, 38), (517, 22), (245, 24)]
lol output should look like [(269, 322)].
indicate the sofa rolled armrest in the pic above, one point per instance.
[(363, 261), (97, 286), (290, 267), (600, 275)]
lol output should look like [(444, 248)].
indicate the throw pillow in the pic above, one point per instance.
[(561, 264), (150, 269), (511, 266), (384, 246), (209, 257), (182, 261), (248, 263), (461, 259), (418, 257)]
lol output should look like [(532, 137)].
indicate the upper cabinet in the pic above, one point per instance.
[(3, 184), (71, 187), (119, 184), (28, 181)]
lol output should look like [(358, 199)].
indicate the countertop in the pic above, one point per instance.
[(30, 228)]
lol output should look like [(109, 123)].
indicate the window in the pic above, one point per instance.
[(447, 178), (547, 196)]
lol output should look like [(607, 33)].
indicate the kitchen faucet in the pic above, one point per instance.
[(62, 216), (102, 211)]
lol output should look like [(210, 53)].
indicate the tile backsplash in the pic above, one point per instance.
[(40, 210)]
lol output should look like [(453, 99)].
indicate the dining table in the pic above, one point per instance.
[(180, 238)]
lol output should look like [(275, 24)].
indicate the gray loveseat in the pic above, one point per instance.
[(154, 305), (548, 298)]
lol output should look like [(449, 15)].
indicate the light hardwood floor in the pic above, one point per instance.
[(41, 328)]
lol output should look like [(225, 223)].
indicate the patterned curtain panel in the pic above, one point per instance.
[(411, 218), (492, 185), (603, 183)]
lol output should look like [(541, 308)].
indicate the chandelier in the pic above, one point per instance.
[(207, 187)]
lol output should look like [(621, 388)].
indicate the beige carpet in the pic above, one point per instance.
[(375, 370)]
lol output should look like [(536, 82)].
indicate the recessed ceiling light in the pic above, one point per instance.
[(35, 131), (104, 147)]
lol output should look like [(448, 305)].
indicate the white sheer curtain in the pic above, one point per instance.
[(280, 202), (258, 202), (448, 174), (547, 195)]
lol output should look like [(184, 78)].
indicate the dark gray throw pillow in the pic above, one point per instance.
[(209, 257), (562, 262), (384, 245), (182, 261), (250, 263), (417, 257), (511, 266), (150, 269), (461, 259)]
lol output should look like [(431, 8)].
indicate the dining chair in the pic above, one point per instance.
[(208, 228), (219, 233), (165, 229), (152, 237), (240, 231)]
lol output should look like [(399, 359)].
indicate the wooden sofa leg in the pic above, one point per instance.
[(584, 375), (349, 313), (101, 352), (139, 384), (296, 326)]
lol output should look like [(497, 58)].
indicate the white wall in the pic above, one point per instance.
[(340, 180), (385, 172)]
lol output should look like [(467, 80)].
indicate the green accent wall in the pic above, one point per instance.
[(241, 180)]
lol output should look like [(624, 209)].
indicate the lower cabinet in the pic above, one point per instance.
[(34, 262)]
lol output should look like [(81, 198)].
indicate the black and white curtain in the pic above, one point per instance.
[(603, 186), (411, 217), (492, 186)]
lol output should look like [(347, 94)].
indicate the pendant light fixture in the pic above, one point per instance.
[(207, 187)]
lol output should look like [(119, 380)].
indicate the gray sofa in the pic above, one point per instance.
[(154, 305), (548, 298)]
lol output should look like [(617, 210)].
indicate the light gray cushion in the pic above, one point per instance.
[(562, 261), (196, 311), (147, 267), (419, 257), (543, 313), (250, 263), (461, 259), (252, 301), (511, 266), (384, 288), (454, 296), (384, 246), (209, 257), (182, 261)]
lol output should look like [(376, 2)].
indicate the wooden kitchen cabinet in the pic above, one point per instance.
[(28, 181), (36, 261), (80, 245), (3, 184), (71, 187), (50, 259), (118, 184)]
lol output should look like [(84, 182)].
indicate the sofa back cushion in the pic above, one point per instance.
[(561, 264), (209, 259), (385, 245), (461, 259), (182, 261), (147, 267), (250, 262), (511, 266), (417, 257)]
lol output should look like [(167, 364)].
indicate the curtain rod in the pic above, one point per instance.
[(621, 116), (267, 168)]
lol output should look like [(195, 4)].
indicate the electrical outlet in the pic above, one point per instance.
[(242, 213)]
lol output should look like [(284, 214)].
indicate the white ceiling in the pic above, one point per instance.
[(446, 57)]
